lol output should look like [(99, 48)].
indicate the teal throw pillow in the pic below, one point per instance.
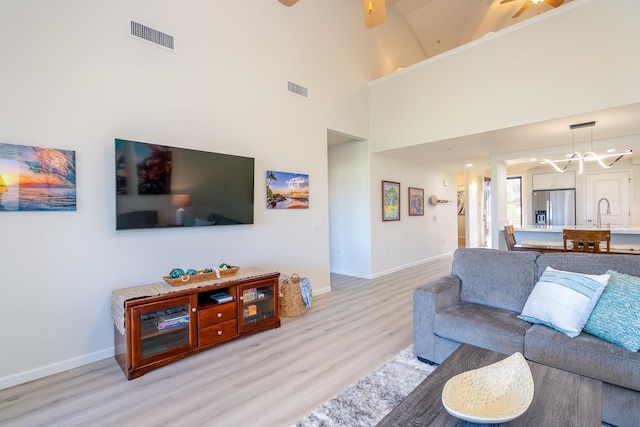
[(563, 300), (616, 316)]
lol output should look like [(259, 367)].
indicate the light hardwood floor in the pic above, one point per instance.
[(269, 379)]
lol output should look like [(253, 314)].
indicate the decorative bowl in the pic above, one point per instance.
[(494, 394), (200, 276)]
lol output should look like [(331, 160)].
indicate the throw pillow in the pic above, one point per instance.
[(616, 316), (563, 300)]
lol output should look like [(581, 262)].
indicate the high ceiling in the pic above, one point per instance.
[(442, 25)]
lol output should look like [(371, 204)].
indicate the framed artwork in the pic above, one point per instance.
[(37, 178), (416, 201), (390, 201), (286, 190)]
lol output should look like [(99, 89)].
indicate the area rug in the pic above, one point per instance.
[(366, 402)]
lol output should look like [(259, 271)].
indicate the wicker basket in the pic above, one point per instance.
[(291, 302)]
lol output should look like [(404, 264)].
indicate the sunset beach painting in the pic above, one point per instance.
[(287, 190), (37, 178)]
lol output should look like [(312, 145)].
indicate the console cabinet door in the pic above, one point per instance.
[(162, 330), (258, 305)]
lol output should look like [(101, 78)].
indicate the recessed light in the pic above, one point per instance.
[(469, 165), (533, 159), (611, 150)]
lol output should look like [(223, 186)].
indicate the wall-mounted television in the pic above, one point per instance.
[(159, 186)]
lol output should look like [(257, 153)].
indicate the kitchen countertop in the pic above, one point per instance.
[(559, 228)]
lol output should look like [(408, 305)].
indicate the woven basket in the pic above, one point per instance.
[(291, 302)]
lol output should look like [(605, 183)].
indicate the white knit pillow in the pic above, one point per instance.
[(563, 300)]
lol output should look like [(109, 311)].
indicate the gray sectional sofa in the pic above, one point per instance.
[(479, 304)]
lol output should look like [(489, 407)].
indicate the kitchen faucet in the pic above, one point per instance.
[(600, 213)]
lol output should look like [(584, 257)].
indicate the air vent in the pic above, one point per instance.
[(297, 89), (158, 38)]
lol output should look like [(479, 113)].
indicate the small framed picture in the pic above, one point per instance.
[(416, 201), (390, 201)]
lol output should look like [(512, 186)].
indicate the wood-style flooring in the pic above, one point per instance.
[(269, 379)]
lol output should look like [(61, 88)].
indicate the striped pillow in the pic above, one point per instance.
[(616, 316), (563, 300)]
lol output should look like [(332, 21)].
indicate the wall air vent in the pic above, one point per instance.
[(148, 34), (297, 89)]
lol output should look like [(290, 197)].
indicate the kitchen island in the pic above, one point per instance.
[(623, 239)]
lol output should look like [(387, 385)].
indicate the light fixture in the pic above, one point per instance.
[(588, 155), (181, 201), (375, 13)]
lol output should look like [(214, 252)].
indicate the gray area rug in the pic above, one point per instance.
[(366, 402)]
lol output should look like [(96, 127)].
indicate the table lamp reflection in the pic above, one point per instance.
[(181, 201)]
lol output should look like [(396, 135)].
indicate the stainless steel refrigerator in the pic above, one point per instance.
[(554, 207)]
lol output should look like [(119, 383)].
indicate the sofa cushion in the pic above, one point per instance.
[(488, 327), (616, 316), (495, 278), (585, 355), (564, 300), (589, 263)]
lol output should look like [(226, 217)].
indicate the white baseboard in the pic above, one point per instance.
[(350, 273), (55, 368), (412, 264)]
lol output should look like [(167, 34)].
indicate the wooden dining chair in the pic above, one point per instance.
[(586, 240), (509, 237)]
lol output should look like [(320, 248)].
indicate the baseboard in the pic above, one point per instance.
[(350, 273), (412, 264), (55, 368)]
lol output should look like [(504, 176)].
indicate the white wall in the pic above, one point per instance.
[(349, 201), (396, 245), (577, 58), (73, 79)]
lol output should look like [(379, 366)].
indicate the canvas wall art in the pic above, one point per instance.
[(37, 178), (287, 190)]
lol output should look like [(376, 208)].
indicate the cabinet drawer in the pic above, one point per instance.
[(214, 315), (217, 333)]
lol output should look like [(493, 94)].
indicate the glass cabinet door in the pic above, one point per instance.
[(259, 304), (163, 329)]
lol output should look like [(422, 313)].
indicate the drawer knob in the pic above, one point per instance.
[(219, 333), (219, 314), (193, 309)]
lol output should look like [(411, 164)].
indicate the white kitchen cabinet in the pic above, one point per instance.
[(553, 181)]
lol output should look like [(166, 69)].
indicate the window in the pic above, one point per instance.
[(514, 200)]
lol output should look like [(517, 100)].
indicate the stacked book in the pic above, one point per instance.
[(221, 297)]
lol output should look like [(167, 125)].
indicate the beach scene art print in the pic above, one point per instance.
[(37, 178), (287, 190)]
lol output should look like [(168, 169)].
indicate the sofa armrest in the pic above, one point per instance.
[(428, 299)]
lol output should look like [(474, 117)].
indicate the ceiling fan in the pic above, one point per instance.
[(554, 3), (375, 11)]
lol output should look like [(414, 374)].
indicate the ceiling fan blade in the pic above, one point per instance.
[(522, 9), (292, 2), (375, 13), (509, 1), (554, 3)]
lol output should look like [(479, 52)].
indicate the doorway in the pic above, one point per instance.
[(486, 212)]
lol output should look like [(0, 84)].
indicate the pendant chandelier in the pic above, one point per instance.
[(587, 156)]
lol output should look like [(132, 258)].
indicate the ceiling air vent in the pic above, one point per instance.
[(297, 89), (148, 34)]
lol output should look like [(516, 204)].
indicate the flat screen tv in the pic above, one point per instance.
[(158, 186)]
